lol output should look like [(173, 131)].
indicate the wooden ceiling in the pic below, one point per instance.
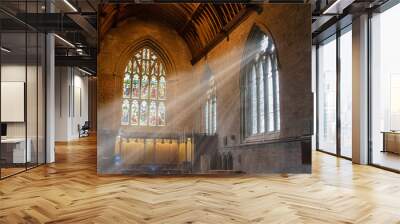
[(201, 25)]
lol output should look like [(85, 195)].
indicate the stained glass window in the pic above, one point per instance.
[(261, 87), (144, 80)]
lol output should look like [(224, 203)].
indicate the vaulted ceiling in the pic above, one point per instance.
[(201, 25)]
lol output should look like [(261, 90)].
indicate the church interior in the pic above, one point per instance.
[(155, 111), (204, 93)]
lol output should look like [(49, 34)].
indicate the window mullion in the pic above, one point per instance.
[(205, 116), (258, 96), (274, 91), (210, 115), (265, 74), (131, 93), (157, 95), (215, 113), (247, 103)]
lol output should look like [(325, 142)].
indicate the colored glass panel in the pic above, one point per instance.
[(134, 112)]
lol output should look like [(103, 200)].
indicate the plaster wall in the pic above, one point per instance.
[(71, 102)]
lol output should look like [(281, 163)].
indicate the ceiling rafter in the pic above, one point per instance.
[(201, 25), (198, 10), (240, 16)]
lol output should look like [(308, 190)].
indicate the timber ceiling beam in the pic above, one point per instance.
[(196, 13), (226, 30)]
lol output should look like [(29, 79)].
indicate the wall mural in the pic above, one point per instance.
[(176, 98)]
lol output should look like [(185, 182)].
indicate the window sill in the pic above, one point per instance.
[(262, 137), (247, 143)]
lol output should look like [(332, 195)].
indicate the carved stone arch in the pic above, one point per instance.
[(252, 45), (148, 41), (124, 57), (257, 29)]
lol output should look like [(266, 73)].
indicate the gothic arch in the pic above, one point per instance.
[(148, 41), (259, 85), (144, 88)]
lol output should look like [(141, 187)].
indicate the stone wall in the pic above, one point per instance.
[(116, 49), (290, 27)]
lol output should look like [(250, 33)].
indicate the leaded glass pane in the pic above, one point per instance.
[(135, 86), (270, 103), (264, 43), (162, 88), (271, 121), (261, 102), (145, 87), (153, 57), (206, 117), (254, 100), (128, 68), (134, 112), (125, 113), (153, 114), (209, 115), (278, 120), (152, 67), (214, 115), (135, 67), (161, 114), (143, 113), (156, 70), (162, 72), (153, 88), (127, 86)]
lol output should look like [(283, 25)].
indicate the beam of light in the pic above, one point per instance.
[(5, 50), (184, 109), (70, 5), (64, 41)]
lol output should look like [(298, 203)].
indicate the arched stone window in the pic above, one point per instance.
[(144, 90), (261, 85)]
